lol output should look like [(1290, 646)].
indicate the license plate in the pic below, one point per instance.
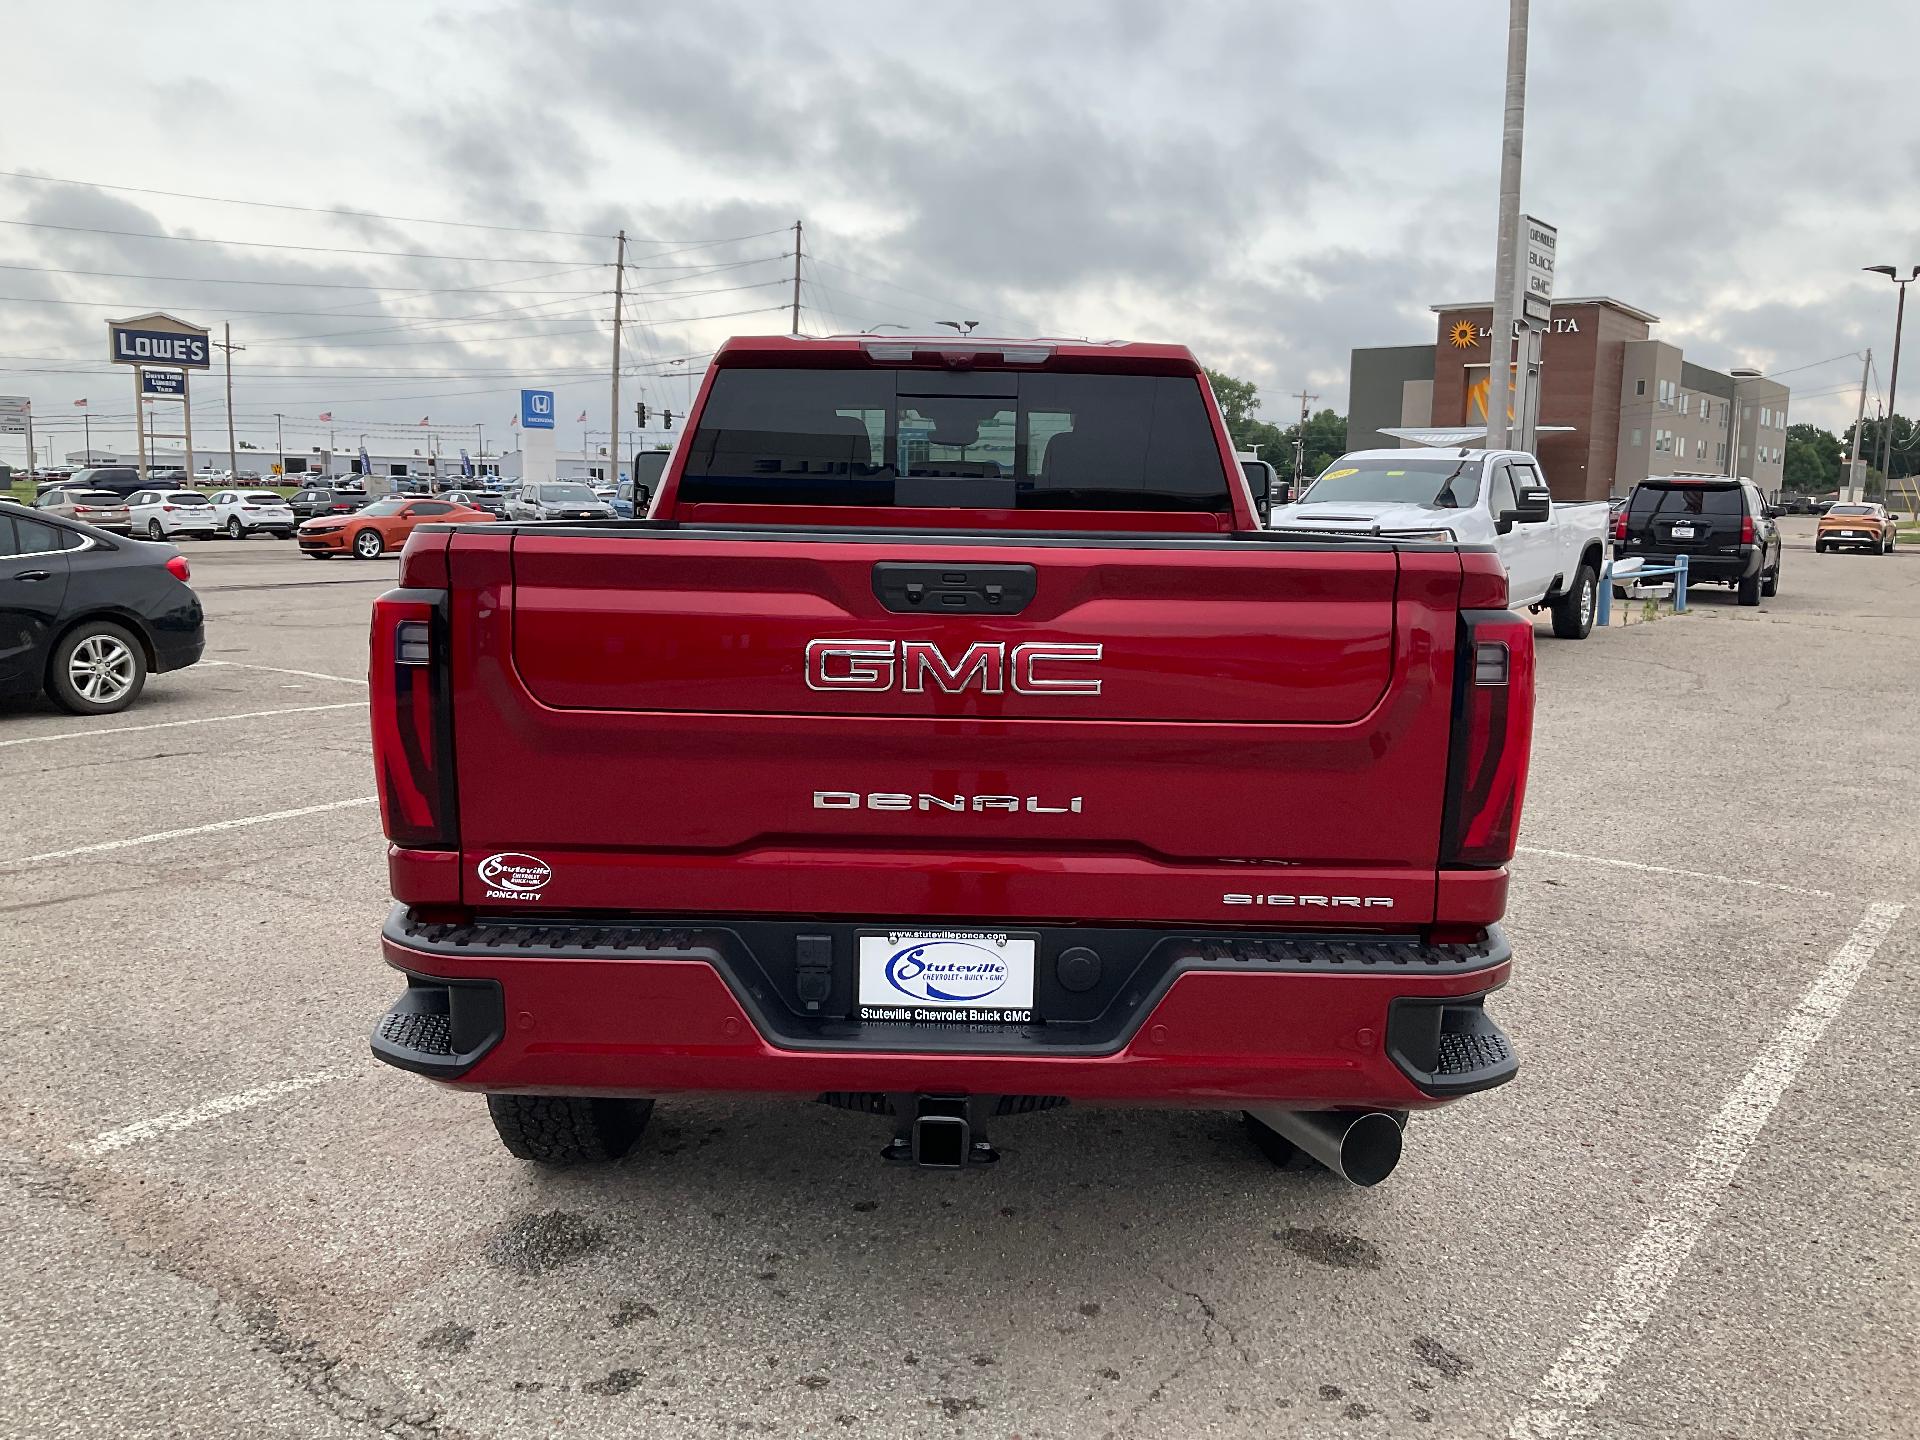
[(1683, 532), (1849, 535), (921, 976)]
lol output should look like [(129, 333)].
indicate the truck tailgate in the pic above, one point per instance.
[(678, 720)]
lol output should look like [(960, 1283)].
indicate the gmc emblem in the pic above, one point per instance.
[(990, 667)]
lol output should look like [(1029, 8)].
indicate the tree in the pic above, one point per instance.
[(1326, 431), (1238, 400), (1905, 459), (1813, 460)]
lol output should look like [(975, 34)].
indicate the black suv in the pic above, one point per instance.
[(1721, 524), (314, 500)]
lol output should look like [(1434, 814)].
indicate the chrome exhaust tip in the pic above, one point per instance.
[(1362, 1147)]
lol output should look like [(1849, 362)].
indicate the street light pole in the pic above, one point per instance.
[(1893, 379), (1506, 251)]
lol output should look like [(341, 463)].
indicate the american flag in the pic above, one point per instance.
[(326, 415), (79, 404), (424, 419), (581, 421), (513, 420)]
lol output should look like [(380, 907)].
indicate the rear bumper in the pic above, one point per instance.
[(1704, 566), (1218, 1021)]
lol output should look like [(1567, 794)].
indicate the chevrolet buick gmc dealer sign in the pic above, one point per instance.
[(159, 340)]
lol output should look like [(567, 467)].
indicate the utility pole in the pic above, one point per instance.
[(1893, 389), (796, 277), (619, 301), (233, 449), (1854, 489), (1506, 251), (1300, 438)]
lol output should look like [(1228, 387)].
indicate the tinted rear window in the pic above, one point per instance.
[(1670, 502), (187, 497), (971, 440)]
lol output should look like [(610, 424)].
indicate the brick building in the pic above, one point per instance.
[(1632, 406)]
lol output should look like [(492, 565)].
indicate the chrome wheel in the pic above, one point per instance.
[(235, 530), (102, 669), (1586, 608)]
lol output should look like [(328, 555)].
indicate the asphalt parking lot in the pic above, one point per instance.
[(1694, 1214)]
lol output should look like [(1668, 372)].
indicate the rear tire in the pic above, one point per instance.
[(1770, 582), (1573, 612), (567, 1129), (1749, 589), (155, 530), (1819, 547), (98, 668), (235, 530)]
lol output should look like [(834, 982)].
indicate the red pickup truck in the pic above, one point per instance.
[(950, 742)]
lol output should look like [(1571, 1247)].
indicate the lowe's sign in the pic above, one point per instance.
[(159, 340)]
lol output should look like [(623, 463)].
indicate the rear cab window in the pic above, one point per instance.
[(982, 440)]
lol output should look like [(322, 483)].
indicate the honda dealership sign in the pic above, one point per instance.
[(158, 339)]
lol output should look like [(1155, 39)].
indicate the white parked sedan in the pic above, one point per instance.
[(160, 514), (241, 512)]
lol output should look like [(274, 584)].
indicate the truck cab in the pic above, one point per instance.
[(1553, 552)]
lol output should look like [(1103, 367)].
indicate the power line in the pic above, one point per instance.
[(302, 284), (312, 249), (367, 214), (306, 209)]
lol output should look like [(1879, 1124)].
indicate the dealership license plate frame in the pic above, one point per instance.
[(1683, 532), (1019, 948)]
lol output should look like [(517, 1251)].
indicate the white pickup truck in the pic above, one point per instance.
[(1553, 551)]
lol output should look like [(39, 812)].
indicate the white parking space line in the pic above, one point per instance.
[(277, 670), (1580, 1377), (1670, 870), (176, 724), (7, 862), (213, 1109)]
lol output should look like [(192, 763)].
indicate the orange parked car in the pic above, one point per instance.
[(1864, 527), (382, 526)]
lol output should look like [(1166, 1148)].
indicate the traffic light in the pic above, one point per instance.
[(666, 418), (640, 413)]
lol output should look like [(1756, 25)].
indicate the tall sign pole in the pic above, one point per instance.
[(796, 276), (619, 299), (140, 417), (1506, 252)]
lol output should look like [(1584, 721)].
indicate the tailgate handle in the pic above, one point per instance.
[(907, 589)]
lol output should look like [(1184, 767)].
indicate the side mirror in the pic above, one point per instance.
[(1259, 481), (1535, 505)]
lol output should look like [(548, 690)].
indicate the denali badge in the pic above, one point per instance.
[(1318, 902), (956, 804), (991, 667)]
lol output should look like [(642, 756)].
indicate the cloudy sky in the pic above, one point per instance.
[(1272, 184)]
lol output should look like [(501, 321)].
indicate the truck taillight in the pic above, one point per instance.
[(1620, 528), (1492, 738), (412, 702), (1746, 529)]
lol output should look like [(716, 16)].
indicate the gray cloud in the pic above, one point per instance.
[(1273, 185)]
